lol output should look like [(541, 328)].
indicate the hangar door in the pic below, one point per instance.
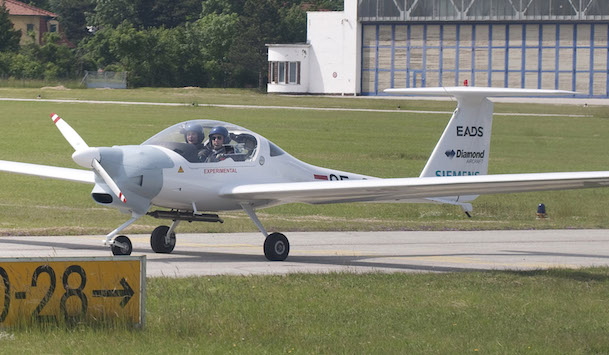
[(569, 56)]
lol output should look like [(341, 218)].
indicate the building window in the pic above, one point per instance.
[(292, 72), (272, 77), (30, 27), (53, 28), (284, 73)]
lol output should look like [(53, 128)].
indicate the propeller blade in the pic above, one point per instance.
[(107, 179), (69, 133)]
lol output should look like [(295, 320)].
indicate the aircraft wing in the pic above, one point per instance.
[(46, 171), (396, 190)]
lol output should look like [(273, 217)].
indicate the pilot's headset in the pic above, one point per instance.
[(193, 127), (221, 131)]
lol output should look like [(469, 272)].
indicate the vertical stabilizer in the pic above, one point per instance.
[(464, 148)]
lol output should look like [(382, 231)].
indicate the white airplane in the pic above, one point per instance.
[(168, 172)]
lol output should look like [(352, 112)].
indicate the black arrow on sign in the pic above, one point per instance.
[(126, 292)]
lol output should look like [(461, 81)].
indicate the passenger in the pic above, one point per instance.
[(193, 134), (217, 148)]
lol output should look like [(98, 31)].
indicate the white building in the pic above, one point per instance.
[(330, 60), (377, 44)]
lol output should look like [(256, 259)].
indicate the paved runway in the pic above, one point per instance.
[(318, 252)]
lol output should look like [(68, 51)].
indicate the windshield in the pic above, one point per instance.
[(191, 140)]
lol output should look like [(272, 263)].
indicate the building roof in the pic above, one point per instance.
[(18, 8)]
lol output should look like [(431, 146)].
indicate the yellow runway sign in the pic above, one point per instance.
[(72, 289)]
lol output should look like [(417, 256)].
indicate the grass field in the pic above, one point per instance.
[(540, 312), (342, 140), (534, 312)]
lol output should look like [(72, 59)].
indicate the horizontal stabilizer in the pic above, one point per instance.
[(475, 91)]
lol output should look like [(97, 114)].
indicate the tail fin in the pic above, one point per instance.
[(464, 147)]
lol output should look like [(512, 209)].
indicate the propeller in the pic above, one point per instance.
[(107, 179), (69, 133), (85, 156)]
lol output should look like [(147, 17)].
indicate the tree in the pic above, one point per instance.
[(152, 57), (72, 16), (59, 60), (158, 44), (293, 23), (9, 37), (111, 13), (171, 13), (50, 60), (222, 7), (258, 25), (43, 4), (144, 14), (217, 33), (332, 5)]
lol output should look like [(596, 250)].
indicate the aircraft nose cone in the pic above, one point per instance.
[(83, 157)]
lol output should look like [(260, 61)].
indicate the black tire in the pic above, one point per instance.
[(126, 249), (157, 240), (276, 247)]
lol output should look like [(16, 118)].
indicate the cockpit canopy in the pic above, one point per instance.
[(241, 144)]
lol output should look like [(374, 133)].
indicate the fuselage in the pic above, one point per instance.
[(191, 184)]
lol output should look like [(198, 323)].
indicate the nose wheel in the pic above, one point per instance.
[(276, 247), (121, 246)]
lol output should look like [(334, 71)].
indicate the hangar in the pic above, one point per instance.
[(373, 45)]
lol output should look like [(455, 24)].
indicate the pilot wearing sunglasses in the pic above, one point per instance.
[(217, 148)]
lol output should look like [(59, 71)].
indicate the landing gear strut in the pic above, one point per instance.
[(121, 246), (276, 245)]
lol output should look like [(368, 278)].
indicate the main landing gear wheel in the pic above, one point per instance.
[(122, 246), (158, 242), (276, 247)]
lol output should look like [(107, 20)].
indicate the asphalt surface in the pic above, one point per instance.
[(321, 252)]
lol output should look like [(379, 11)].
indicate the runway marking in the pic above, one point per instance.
[(332, 252), (201, 245), (470, 261)]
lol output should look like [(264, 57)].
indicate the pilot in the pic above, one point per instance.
[(193, 134), (217, 148)]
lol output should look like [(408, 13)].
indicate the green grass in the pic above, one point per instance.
[(549, 312), (554, 311), (193, 95), (383, 144)]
